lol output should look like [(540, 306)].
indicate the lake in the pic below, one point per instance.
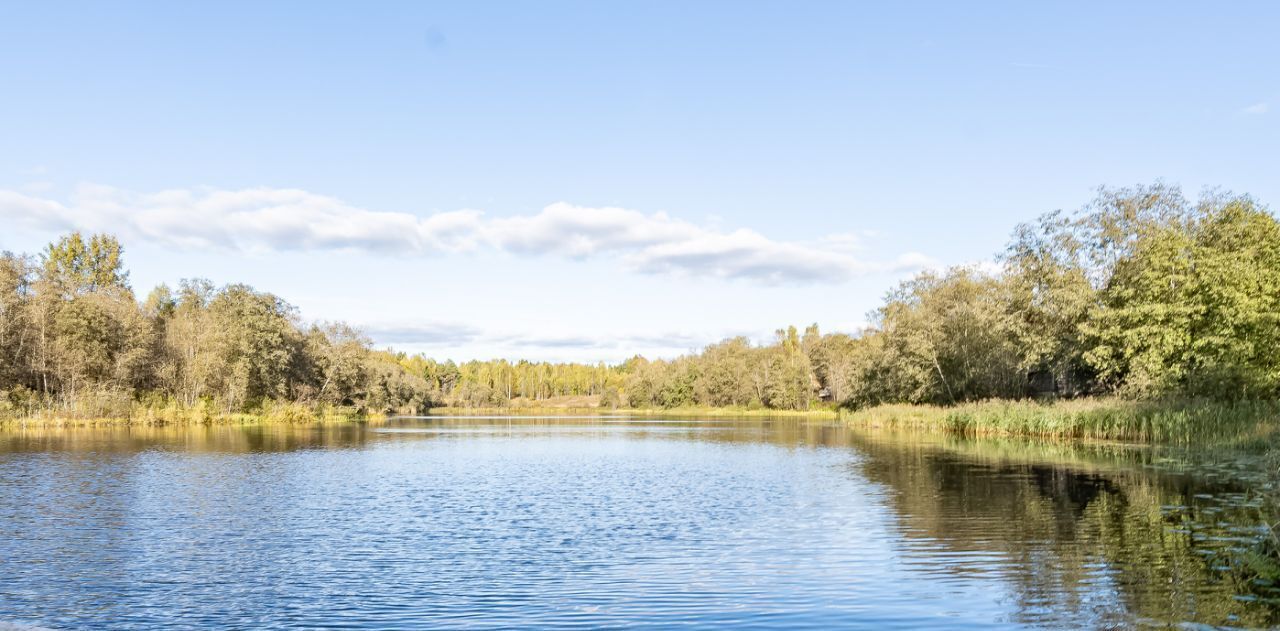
[(590, 522)]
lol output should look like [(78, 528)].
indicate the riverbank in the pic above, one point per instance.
[(1239, 423), (298, 414), (200, 415)]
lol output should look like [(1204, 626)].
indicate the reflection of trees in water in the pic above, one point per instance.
[(1105, 543), (235, 439)]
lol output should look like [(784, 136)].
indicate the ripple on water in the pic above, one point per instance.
[(471, 523)]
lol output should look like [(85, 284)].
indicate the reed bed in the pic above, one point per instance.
[(173, 414), (1238, 423)]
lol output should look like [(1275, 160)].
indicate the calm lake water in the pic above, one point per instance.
[(615, 522)]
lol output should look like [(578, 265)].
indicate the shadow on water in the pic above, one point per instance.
[(1114, 534), (230, 439)]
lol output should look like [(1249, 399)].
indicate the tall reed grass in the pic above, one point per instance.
[(1239, 423), (102, 409)]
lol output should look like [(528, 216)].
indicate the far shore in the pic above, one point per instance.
[(53, 420), (1239, 423), (683, 412)]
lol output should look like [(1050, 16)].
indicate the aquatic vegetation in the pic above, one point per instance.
[(1202, 425), (1240, 423)]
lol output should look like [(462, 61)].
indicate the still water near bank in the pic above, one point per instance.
[(606, 522)]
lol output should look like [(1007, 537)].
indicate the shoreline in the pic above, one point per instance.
[(1177, 421), (231, 420), (1241, 423)]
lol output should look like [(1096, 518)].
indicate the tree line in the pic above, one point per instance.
[(1141, 293), (74, 339)]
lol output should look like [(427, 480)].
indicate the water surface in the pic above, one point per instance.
[(616, 522)]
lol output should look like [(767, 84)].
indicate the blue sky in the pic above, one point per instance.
[(587, 180)]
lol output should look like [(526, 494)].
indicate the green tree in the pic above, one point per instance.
[(790, 384), (16, 329), (80, 266), (339, 356), (725, 374), (1190, 307), (949, 338), (1050, 298), (259, 344)]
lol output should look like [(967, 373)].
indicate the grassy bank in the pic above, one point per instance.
[(1241, 423), (176, 415)]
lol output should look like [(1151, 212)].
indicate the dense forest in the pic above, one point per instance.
[(1142, 294)]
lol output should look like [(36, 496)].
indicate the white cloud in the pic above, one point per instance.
[(427, 334), (989, 267), (271, 220), (625, 342), (33, 211), (1257, 108), (462, 342)]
